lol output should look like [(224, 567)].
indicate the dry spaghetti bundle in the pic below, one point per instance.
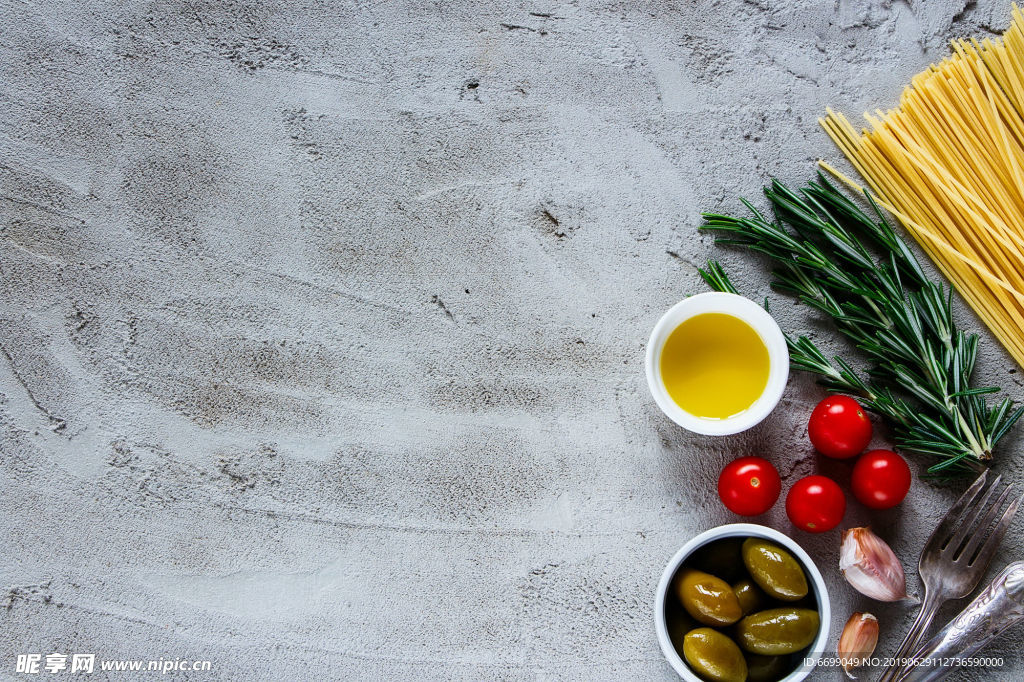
[(948, 162)]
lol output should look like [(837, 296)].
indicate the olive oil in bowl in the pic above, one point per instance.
[(714, 365)]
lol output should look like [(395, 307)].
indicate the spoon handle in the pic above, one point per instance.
[(996, 608)]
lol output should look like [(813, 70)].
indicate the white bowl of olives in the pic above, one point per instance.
[(742, 602)]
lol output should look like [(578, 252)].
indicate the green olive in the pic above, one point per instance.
[(749, 595), (708, 599), (721, 558), (774, 569), (776, 632), (766, 668), (714, 656)]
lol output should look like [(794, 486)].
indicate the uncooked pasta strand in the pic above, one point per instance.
[(948, 163)]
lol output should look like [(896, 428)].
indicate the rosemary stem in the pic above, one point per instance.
[(919, 379)]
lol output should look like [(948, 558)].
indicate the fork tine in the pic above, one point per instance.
[(945, 527), (981, 532), (978, 507), (989, 548)]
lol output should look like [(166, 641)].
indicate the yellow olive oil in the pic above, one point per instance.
[(714, 365)]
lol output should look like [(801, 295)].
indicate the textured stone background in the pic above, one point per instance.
[(322, 324)]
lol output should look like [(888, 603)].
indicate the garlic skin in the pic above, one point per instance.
[(871, 567), (857, 643)]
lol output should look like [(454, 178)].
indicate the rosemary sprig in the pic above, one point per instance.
[(823, 246)]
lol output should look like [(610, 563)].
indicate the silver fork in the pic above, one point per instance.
[(955, 557)]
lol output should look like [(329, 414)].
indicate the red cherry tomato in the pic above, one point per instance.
[(880, 479), (815, 504), (749, 486), (839, 427)]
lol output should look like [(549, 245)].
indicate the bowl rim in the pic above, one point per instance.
[(760, 321), (817, 647)]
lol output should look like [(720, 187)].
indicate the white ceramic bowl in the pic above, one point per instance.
[(760, 321), (742, 530)]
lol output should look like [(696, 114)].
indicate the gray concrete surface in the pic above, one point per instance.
[(322, 324)]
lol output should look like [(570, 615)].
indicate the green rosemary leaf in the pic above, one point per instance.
[(948, 462), (975, 391), (716, 278), (1007, 424)]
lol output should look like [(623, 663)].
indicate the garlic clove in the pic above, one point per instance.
[(871, 567), (857, 643)]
